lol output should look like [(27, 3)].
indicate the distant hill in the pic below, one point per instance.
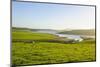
[(22, 29), (75, 32), (79, 32), (30, 29)]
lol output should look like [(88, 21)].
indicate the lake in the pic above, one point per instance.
[(69, 36)]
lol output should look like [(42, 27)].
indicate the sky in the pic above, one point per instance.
[(52, 16)]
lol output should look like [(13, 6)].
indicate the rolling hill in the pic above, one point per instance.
[(79, 32)]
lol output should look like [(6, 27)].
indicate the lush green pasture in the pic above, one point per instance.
[(32, 35), (49, 52), (44, 52)]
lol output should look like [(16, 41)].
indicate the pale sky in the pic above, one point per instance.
[(52, 16)]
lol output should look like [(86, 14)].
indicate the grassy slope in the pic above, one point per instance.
[(44, 52), (49, 52), (32, 35), (80, 32)]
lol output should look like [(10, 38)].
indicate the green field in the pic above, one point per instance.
[(80, 32), (49, 52), (32, 35)]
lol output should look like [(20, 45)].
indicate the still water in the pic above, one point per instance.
[(69, 36)]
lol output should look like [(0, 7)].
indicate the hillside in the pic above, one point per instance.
[(80, 32), (34, 48), (30, 29)]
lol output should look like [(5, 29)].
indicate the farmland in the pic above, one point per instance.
[(45, 52)]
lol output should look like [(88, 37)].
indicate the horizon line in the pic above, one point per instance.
[(57, 29)]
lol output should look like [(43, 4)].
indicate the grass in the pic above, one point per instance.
[(80, 32), (49, 52), (44, 52), (32, 35)]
